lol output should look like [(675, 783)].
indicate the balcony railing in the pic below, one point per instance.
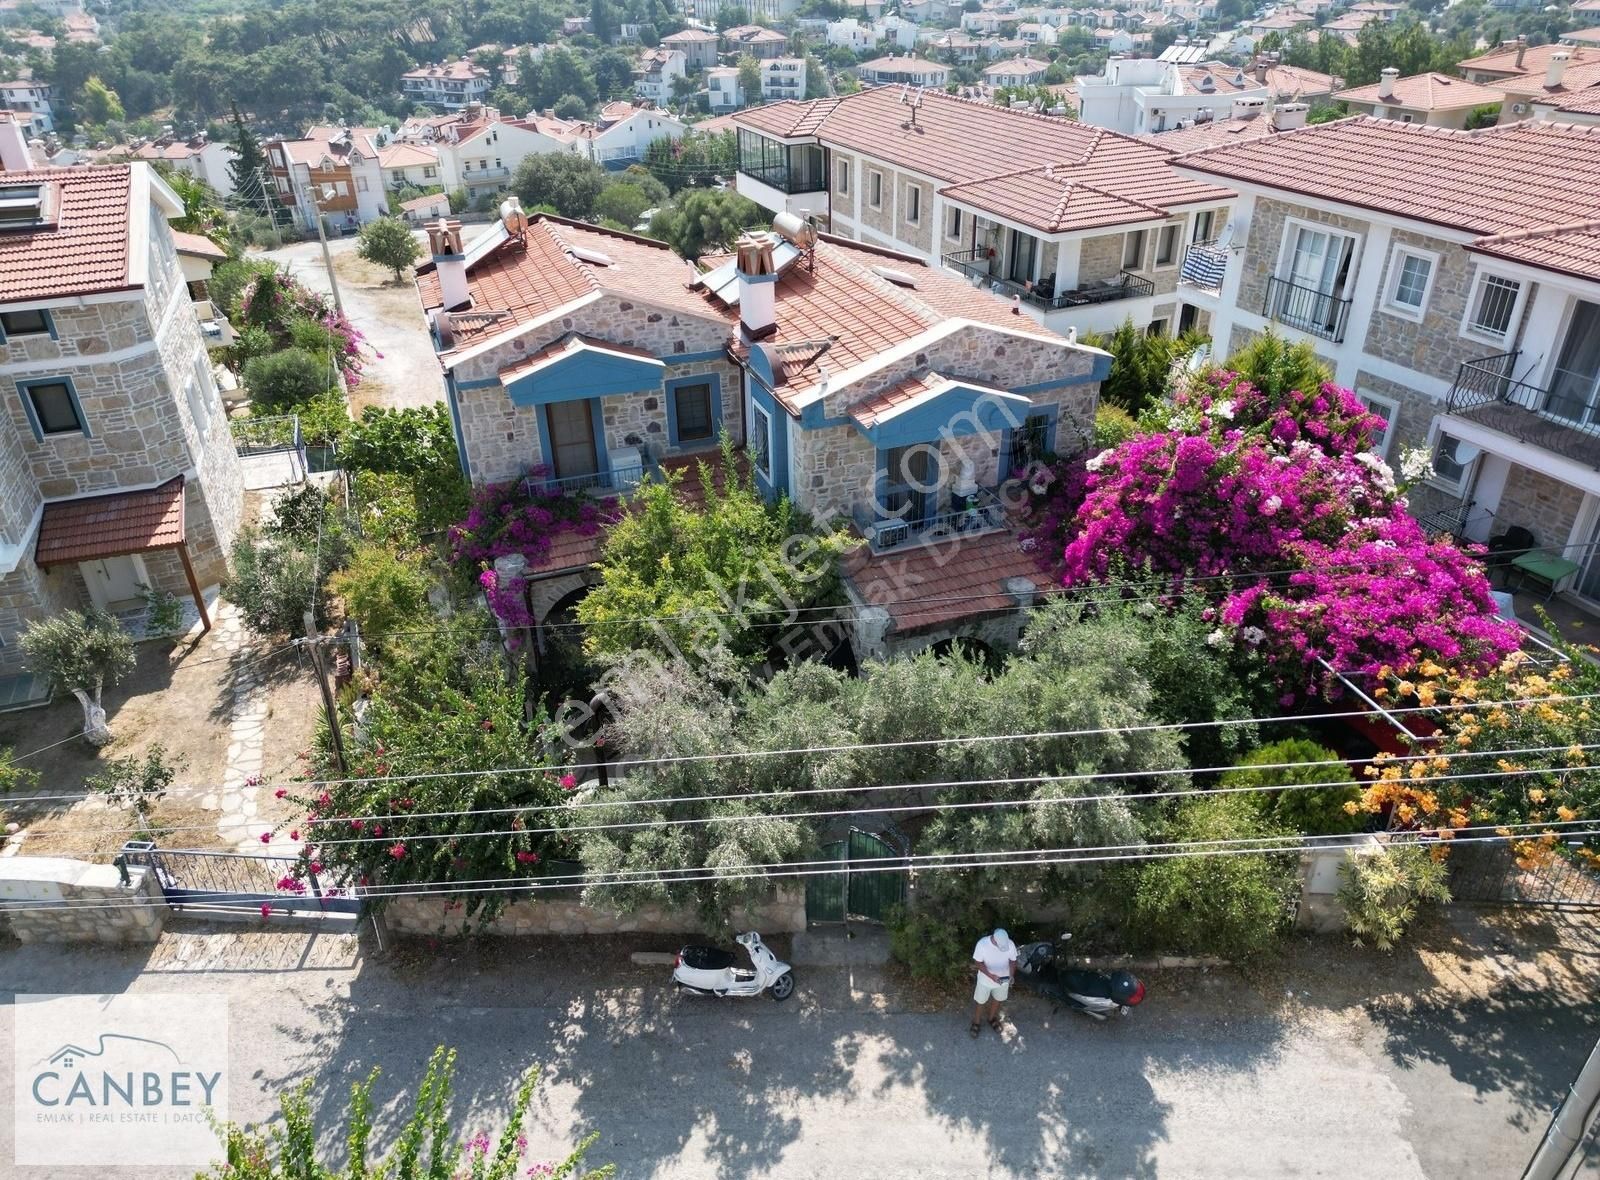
[(484, 175), (1487, 391), (601, 483), (214, 326), (264, 436), (1204, 265), (981, 513), (1316, 312), (975, 264), (785, 179)]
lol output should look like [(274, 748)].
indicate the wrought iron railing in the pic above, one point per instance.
[(1317, 312), (1487, 390), (601, 483), (1204, 265), (1124, 286), (980, 513), (262, 436)]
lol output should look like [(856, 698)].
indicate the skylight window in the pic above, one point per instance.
[(24, 206)]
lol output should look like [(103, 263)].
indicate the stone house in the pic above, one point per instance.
[(870, 389), (117, 469), (1081, 227), (1466, 312)]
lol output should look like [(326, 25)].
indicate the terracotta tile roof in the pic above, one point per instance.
[(1583, 36), (111, 525), (1579, 76), (1213, 134), (1426, 92), (1584, 102), (899, 64), (197, 244), (568, 346), (406, 155), (1528, 176), (933, 585), (909, 392), (1293, 81), (1014, 65), (426, 202), (460, 70), (687, 36), (961, 142), (1573, 248), (1535, 59), (86, 250), (1223, 78)]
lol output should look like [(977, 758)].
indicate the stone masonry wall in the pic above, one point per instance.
[(1266, 238), (27, 593), (110, 913), (1100, 258), (1409, 427), (784, 913), (1544, 506)]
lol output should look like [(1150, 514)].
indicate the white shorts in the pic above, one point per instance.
[(988, 989)]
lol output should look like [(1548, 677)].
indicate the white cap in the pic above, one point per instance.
[(1001, 938)]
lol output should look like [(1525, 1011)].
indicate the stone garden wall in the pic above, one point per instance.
[(62, 900), (784, 913)]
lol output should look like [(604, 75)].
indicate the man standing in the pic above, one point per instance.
[(995, 959)]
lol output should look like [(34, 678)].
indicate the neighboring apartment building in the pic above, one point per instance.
[(1465, 311), (783, 78), (1137, 96), (117, 469), (723, 91), (654, 73), (1016, 71), (1435, 99), (448, 87), (903, 70), (1582, 107), (755, 41), (31, 99), (410, 165), (204, 159), (624, 131), (707, 11), (1082, 227), (698, 46), (1516, 59), (333, 171), (871, 389), (1565, 75)]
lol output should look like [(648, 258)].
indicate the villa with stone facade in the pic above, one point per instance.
[(1464, 310), (1079, 226), (876, 392), (117, 470)]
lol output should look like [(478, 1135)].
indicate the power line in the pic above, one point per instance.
[(913, 743)]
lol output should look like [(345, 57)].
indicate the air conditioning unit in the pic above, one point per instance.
[(1519, 108)]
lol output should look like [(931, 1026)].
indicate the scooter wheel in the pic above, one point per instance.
[(783, 986)]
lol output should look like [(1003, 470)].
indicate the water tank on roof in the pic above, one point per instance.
[(795, 230)]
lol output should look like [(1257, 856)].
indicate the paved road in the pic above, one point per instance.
[(841, 1081), (407, 373)]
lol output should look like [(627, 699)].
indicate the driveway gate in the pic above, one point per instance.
[(1489, 874), (240, 880), (860, 894)]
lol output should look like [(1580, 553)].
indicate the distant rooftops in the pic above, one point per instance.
[(1426, 92)]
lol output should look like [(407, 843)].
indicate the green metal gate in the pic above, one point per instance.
[(854, 893)]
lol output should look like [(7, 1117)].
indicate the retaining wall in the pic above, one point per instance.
[(62, 900), (784, 913), (1320, 911)]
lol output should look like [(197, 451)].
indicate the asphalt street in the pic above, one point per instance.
[(846, 1079)]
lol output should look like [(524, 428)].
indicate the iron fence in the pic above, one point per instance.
[(617, 480), (1486, 390), (1489, 874), (242, 880), (264, 436), (1319, 313), (981, 513)]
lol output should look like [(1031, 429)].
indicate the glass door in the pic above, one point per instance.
[(1318, 268), (571, 429), (1575, 389), (1022, 251)]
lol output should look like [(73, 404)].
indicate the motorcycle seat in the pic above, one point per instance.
[(706, 958)]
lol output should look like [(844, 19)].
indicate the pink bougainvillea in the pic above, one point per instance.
[(1281, 507), (523, 516)]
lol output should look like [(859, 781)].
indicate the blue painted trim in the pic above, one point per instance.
[(449, 257), (602, 457), (960, 411), (756, 278), (49, 323), (478, 383), (588, 374), (1050, 411), (670, 387), (24, 388), (684, 358), (777, 443), (455, 425)]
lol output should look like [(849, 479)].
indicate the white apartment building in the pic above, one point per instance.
[(1465, 310), (783, 77), (723, 90), (654, 73), (448, 87), (30, 98), (204, 159)]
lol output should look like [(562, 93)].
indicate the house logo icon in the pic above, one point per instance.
[(68, 1056)]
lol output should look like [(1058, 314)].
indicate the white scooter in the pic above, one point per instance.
[(709, 971)]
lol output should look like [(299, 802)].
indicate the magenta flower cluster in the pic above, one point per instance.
[(1282, 502), (522, 517)]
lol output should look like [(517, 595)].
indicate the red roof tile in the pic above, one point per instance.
[(112, 525), (935, 584), (1530, 176), (1426, 92), (197, 244), (1213, 134), (1535, 59), (85, 251), (1585, 102)]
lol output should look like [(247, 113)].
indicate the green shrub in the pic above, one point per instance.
[(251, 343), (324, 419), (929, 946), (1382, 891), (286, 380), (382, 590), (1317, 812), (1113, 426), (137, 783), (1234, 905), (274, 583), (229, 279)]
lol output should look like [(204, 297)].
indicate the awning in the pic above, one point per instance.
[(578, 368), (112, 525), (930, 406)]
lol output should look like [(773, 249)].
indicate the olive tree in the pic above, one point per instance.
[(81, 652), (388, 242)]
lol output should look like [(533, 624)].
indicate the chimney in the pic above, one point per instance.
[(1287, 116), (758, 285), (1386, 82), (1248, 108), (1261, 70), (1557, 69), (1522, 48), (449, 263)]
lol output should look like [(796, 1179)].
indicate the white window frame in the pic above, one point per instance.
[(1397, 261), (1175, 228), (1456, 487), (1284, 267), (913, 203), (874, 181), (1390, 413), (1470, 331)]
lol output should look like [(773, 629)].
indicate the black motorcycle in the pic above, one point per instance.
[(1094, 993)]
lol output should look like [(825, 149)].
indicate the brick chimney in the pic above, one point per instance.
[(1557, 69), (1386, 82), (758, 285), (1289, 115), (449, 263)]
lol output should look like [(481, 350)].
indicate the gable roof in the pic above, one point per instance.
[(1526, 190), (84, 249), (1047, 173), (406, 155), (1535, 59), (1426, 92), (1584, 102), (197, 245)]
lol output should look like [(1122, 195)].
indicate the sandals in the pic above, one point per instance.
[(974, 1030), (994, 1023)]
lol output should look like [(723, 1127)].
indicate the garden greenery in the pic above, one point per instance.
[(1382, 890), (1313, 811)]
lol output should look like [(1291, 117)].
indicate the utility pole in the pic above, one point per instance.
[(1568, 1125), (327, 255), (330, 707)]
